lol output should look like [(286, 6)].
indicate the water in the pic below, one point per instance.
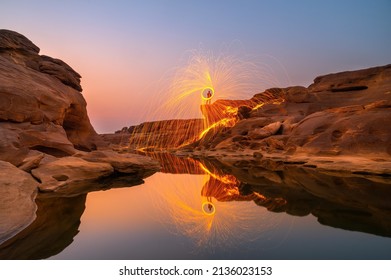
[(194, 210)]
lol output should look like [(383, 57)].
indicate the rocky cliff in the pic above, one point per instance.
[(47, 143)]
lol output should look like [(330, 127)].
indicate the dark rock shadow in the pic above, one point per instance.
[(58, 220), (57, 223)]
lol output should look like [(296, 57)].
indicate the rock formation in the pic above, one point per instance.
[(47, 142), (157, 135), (340, 122)]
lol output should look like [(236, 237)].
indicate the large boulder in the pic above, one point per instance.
[(43, 94), (18, 190), (66, 174)]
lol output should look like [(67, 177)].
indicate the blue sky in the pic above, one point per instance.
[(121, 47)]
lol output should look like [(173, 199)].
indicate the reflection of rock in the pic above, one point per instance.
[(347, 201), (177, 165), (56, 225), (17, 193)]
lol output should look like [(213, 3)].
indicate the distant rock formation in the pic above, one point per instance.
[(157, 135), (344, 116), (47, 142)]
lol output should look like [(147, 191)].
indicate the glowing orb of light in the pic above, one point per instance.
[(205, 91), (208, 208)]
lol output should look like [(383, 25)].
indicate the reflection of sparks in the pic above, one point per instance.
[(226, 179), (224, 225), (210, 206)]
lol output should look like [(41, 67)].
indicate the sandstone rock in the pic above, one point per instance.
[(269, 110), (349, 80), (297, 94), (378, 104), (138, 165), (60, 70), (70, 174), (266, 131), (257, 155), (17, 193), (244, 112), (32, 161), (159, 134), (50, 98), (11, 40), (346, 130), (17, 138)]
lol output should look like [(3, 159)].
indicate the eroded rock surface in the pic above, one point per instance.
[(42, 94), (18, 190), (43, 126), (341, 121)]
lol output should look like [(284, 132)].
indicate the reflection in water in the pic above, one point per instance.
[(56, 225), (208, 211), (346, 201), (208, 208), (58, 220), (213, 207)]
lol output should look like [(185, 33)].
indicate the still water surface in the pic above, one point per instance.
[(206, 215)]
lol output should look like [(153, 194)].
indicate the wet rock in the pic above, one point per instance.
[(18, 190), (55, 227)]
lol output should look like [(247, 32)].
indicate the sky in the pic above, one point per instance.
[(125, 50)]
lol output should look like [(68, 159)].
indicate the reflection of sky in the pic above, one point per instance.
[(121, 48), (163, 219)]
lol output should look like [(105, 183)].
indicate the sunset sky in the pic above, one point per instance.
[(124, 50)]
